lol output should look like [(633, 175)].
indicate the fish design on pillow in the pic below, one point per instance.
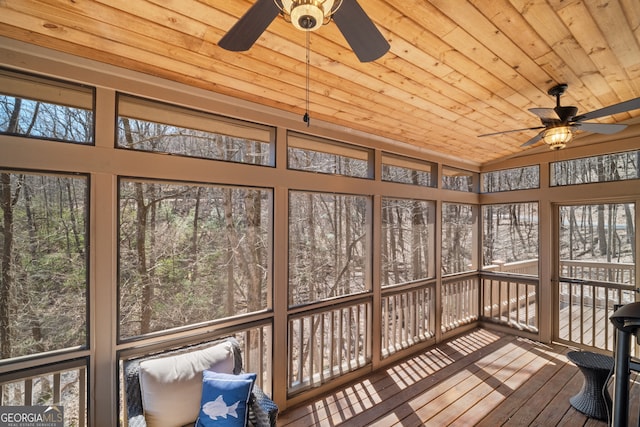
[(218, 408)]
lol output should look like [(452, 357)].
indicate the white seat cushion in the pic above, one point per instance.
[(171, 386)]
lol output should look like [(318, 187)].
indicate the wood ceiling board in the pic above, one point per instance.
[(454, 70)]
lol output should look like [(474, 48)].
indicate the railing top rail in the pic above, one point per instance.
[(497, 263), (48, 369), (399, 289), (599, 283), (328, 305), (586, 263), (133, 349), (459, 277), (510, 277)]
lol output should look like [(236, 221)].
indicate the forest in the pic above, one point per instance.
[(44, 251)]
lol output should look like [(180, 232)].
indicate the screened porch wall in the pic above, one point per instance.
[(389, 322)]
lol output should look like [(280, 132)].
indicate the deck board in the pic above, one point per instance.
[(482, 378)]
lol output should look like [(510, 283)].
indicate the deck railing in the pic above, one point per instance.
[(584, 311), (256, 347), (65, 384), (408, 317), (600, 271), (527, 266), (511, 301), (332, 339), (460, 301), (328, 342), (587, 297)]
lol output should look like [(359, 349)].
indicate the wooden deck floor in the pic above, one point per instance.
[(482, 378)]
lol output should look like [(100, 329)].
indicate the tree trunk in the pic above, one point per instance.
[(602, 234), (141, 249), (253, 211), (385, 242), (393, 244), (417, 222), (194, 238), (631, 232), (233, 243), (6, 283), (36, 327), (72, 217), (6, 279), (141, 238)]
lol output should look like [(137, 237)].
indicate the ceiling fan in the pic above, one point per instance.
[(309, 15), (559, 123)]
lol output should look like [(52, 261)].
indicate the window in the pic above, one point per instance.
[(322, 156), (523, 178), (43, 286), (329, 246), (457, 179), (458, 231), (408, 240), (191, 253), (407, 171), (42, 108), (162, 128), (510, 238), (608, 167)]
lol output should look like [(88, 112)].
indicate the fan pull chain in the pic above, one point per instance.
[(306, 117)]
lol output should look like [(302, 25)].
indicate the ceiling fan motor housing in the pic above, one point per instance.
[(308, 15)]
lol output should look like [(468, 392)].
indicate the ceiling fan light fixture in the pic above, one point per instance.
[(557, 137), (308, 15)]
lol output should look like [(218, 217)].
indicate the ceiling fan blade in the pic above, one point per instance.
[(533, 140), (510, 131), (360, 32), (632, 104), (545, 113), (605, 128), (246, 31)]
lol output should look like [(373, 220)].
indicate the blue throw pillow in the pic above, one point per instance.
[(224, 399)]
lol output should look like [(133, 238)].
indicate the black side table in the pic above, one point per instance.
[(592, 400)]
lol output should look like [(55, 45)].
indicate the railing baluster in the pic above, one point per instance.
[(392, 315), (385, 324), (570, 296), (417, 310), (82, 398), (348, 316), (594, 310), (357, 333), (322, 344), (581, 314), (301, 334), (459, 290), (56, 388), (28, 392), (340, 345), (407, 319)]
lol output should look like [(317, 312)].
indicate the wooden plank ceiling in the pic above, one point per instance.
[(456, 68)]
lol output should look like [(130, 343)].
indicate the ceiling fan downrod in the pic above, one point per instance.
[(557, 91)]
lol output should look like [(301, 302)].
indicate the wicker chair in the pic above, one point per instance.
[(263, 412)]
